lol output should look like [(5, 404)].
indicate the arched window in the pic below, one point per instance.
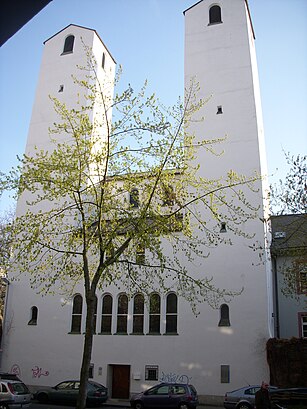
[(34, 316), (215, 15), (224, 316), (76, 314), (154, 313), (171, 314), (134, 198), (122, 314), (69, 44), (95, 316), (138, 314), (106, 315)]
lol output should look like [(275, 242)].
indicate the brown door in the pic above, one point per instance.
[(121, 381)]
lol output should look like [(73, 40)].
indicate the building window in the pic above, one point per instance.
[(103, 61), (106, 315), (171, 314), (138, 314), (61, 89), (219, 110), (34, 316), (225, 373), (151, 372), (224, 316), (301, 269), (168, 198), (122, 314), (95, 316), (154, 313), (302, 322), (215, 15), (91, 371), (140, 254), (223, 228), (134, 198), (69, 44), (76, 314)]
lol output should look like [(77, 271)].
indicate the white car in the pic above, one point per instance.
[(14, 394)]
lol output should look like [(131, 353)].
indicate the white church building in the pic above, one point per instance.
[(218, 350)]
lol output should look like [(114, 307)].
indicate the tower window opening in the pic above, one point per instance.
[(215, 15), (219, 110), (34, 315), (103, 61), (223, 228), (69, 44), (61, 89)]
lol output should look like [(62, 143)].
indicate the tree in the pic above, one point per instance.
[(289, 197), (107, 191)]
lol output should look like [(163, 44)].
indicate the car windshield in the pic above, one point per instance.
[(19, 388), (193, 390)]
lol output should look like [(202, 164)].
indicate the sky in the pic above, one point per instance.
[(146, 37)]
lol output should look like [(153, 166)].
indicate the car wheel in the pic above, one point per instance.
[(183, 406), (42, 398), (138, 405), (244, 406)]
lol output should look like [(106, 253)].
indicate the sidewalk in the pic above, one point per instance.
[(126, 403)]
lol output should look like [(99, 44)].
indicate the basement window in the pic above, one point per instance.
[(151, 372)]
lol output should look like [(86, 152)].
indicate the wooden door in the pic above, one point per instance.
[(121, 381)]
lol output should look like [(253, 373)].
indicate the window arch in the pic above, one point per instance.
[(215, 15), (171, 314), (76, 314), (154, 313), (224, 316), (69, 44), (122, 314), (34, 316), (106, 314), (138, 314)]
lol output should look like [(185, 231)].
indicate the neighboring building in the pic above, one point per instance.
[(289, 264), (138, 344)]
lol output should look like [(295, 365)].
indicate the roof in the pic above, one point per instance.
[(84, 28), (248, 11), (289, 234)]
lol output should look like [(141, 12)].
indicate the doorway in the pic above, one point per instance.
[(120, 381)]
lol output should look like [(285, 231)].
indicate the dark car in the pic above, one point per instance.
[(67, 392), (243, 398), (166, 395)]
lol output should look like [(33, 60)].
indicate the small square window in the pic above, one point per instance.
[(151, 372)]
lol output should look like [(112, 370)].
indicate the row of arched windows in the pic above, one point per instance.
[(114, 318)]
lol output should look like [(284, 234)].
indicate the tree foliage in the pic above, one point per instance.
[(108, 190)]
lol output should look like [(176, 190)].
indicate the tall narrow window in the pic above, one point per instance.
[(134, 198), (171, 314), (69, 44), (122, 314), (224, 316), (34, 316), (225, 373), (76, 314), (138, 314), (106, 316), (95, 316), (140, 254), (302, 320), (103, 61), (154, 314), (215, 15)]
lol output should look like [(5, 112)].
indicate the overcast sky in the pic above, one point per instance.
[(147, 38)]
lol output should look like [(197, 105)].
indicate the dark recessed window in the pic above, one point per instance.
[(91, 371), (34, 316), (225, 373), (76, 314), (122, 314), (138, 314), (224, 316), (103, 61), (69, 44), (171, 314), (61, 89), (219, 110), (106, 316), (140, 254), (154, 313), (215, 15), (151, 372), (223, 228), (134, 198)]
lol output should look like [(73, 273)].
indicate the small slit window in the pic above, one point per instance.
[(223, 228), (134, 198), (103, 60), (34, 316), (61, 89), (69, 44), (224, 316), (219, 110), (215, 15)]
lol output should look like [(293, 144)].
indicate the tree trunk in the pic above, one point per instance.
[(87, 349)]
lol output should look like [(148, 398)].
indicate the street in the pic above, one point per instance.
[(36, 405)]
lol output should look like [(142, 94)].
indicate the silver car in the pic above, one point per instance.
[(14, 394), (243, 398)]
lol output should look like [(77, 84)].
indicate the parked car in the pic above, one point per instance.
[(14, 394), (169, 395), (243, 398), (67, 392)]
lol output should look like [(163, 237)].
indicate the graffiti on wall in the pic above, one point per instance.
[(175, 378), (16, 370), (37, 372)]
